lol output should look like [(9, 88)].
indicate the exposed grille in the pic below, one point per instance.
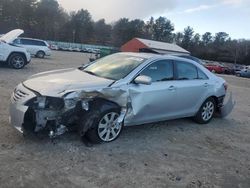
[(18, 95)]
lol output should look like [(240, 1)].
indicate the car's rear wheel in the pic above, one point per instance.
[(40, 54), (206, 111), (105, 127), (17, 61)]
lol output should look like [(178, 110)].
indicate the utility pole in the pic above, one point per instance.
[(74, 36), (236, 53)]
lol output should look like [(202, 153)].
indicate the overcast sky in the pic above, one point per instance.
[(231, 16)]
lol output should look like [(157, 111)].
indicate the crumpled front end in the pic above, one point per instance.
[(30, 112)]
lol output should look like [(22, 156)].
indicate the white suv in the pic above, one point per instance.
[(16, 57), (35, 47)]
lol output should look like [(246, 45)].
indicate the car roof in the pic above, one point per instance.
[(157, 56)]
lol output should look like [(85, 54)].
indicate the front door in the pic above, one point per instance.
[(155, 102)]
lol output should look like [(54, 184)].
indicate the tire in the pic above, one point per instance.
[(17, 61), (101, 130), (206, 112), (238, 74), (40, 54)]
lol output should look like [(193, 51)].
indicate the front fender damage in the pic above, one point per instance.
[(57, 122)]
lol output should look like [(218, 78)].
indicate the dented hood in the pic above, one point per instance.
[(55, 83), (12, 35)]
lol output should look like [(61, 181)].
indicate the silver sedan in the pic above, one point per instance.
[(123, 89)]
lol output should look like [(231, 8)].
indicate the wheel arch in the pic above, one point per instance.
[(102, 104), (216, 100), (40, 51), (96, 107), (16, 52)]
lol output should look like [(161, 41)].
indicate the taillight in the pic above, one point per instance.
[(225, 86)]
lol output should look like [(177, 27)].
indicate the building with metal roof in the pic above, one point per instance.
[(150, 46)]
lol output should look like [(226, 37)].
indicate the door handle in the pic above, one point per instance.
[(206, 85), (171, 88)]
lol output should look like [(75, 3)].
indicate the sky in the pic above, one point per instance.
[(231, 16)]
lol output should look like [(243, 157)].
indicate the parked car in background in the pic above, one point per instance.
[(76, 50), (15, 56), (122, 89), (215, 67), (237, 68), (54, 47), (227, 68), (244, 72), (35, 47)]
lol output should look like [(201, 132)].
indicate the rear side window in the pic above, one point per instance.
[(40, 43), (160, 71), (32, 42), (26, 42), (186, 71)]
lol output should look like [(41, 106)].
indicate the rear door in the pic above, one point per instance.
[(29, 45), (192, 88), (155, 102)]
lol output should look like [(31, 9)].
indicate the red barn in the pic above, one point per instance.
[(150, 46)]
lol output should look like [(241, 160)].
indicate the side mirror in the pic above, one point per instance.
[(146, 80)]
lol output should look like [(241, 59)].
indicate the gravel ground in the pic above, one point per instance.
[(178, 153)]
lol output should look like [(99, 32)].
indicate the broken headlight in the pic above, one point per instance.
[(41, 102), (70, 100), (48, 103)]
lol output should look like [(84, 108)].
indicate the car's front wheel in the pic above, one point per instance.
[(17, 61), (206, 112), (105, 127)]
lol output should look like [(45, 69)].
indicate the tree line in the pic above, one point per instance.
[(46, 19)]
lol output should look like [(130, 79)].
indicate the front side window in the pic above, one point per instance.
[(186, 71), (17, 41), (160, 71), (202, 75)]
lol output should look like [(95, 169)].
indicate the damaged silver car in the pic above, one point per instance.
[(123, 89)]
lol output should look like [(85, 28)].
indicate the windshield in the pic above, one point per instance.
[(114, 67)]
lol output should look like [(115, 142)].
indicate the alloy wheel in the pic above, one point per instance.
[(207, 111), (18, 62), (108, 127)]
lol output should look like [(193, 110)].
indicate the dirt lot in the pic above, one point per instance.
[(175, 153)]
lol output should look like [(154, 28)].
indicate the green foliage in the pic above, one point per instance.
[(187, 37), (162, 30), (207, 38)]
